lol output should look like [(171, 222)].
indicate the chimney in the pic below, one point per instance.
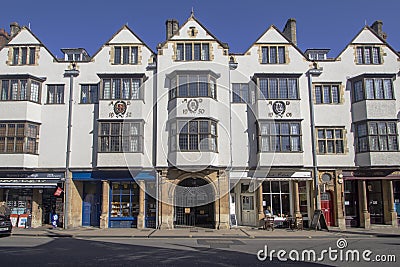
[(377, 27), (290, 30), (4, 38), (14, 28), (172, 26)]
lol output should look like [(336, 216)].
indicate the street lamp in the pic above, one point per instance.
[(71, 72)]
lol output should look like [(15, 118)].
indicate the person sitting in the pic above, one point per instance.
[(267, 211)]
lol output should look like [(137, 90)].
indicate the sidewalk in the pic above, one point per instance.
[(237, 232)]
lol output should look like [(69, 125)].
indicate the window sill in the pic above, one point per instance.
[(16, 100), (18, 153)]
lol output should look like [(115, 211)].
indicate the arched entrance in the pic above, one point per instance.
[(194, 203)]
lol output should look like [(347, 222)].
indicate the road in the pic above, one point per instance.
[(64, 251)]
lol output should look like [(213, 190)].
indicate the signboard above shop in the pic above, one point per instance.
[(30, 180)]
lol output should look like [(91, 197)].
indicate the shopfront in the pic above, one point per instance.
[(33, 197), (283, 193), (371, 197), (117, 199)]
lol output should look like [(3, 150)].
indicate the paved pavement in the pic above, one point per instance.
[(237, 232)]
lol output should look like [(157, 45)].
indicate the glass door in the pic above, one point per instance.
[(375, 201), (351, 203)]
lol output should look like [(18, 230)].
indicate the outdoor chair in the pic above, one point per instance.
[(269, 223), (298, 222)]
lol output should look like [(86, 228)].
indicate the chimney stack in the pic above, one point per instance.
[(377, 27), (14, 28), (290, 30), (172, 26), (4, 38)]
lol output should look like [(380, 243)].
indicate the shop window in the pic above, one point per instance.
[(303, 198), (396, 195), (125, 200), (276, 196)]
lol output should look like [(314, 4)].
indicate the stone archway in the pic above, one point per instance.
[(194, 203)]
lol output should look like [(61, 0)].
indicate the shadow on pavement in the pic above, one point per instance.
[(77, 252)]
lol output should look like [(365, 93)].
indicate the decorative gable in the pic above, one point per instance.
[(367, 37), (125, 36), (24, 37), (272, 35), (192, 30)]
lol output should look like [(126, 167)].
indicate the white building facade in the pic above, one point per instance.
[(194, 135)]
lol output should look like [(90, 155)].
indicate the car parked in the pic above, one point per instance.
[(5, 225)]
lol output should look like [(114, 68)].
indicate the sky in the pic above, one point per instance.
[(328, 24)]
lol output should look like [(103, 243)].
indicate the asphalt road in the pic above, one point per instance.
[(45, 251)]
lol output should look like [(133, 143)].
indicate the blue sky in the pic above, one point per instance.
[(89, 24)]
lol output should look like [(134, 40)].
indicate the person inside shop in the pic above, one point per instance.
[(4, 209)]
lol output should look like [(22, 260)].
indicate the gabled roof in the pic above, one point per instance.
[(273, 27), (193, 18), (124, 27), (375, 34), (34, 36)]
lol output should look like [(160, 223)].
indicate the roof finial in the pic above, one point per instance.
[(192, 12)]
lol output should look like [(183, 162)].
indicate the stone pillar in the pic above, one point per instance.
[(390, 215), (365, 219), (166, 210), (222, 214), (142, 192), (339, 192), (296, 200), (36, 208), (75, 204), (260, 201), (105, 204)]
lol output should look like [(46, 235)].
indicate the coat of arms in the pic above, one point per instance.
[(119, 108)]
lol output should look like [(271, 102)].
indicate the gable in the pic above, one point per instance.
[(123, 37), (367, 37), (272, 36), (24, 37), (192, 26)]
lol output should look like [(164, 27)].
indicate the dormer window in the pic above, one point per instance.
[(124, 55), (368, 55), (23, 55)]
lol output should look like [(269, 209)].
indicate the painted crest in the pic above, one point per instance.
[(193, 105), (279, 108), (120, 108)]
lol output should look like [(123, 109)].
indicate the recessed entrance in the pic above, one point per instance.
[(194, 203)]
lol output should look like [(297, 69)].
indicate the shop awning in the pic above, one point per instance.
[(277, 175), (113, 175)]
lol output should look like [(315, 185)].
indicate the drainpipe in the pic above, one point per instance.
[(314, 72), (71, 73), (232, 66)]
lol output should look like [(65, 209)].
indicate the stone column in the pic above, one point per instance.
[(339, 192), (75, 204), (105, 205), (296, 198), (36, 208), (365, 219), (222, 214), (166, 210), (260, 201), (142, 192), (390, 215)]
